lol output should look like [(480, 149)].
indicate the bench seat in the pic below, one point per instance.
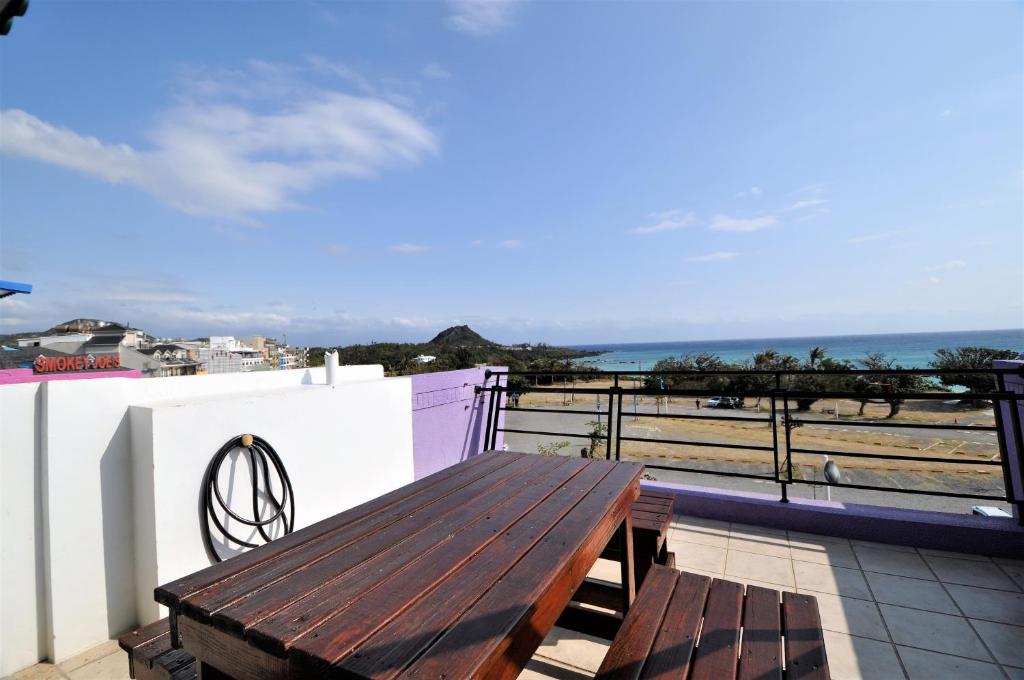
[(651, 516), (152, 657), (690, 626)]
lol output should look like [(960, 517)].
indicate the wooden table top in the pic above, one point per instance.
[(460, 574)]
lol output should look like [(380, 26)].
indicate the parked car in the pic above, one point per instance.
[(725, 402)]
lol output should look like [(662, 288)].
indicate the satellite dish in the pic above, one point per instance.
[(831, 472)]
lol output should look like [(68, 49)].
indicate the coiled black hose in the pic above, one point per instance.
[(261, 457)]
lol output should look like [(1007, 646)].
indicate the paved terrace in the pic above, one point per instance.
[(888, 611)]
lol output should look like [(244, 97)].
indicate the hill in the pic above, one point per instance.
[(453, 348), (461, 336)]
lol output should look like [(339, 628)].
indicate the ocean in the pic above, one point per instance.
[(911, 350)]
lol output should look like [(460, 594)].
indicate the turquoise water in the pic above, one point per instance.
[(911, 350)]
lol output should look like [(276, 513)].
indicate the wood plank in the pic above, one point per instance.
[(805, 647), (717, 649), (672, 652), (404, 638), (247, 601), (323, 625), (627, 656), (588, 621), (501, 631), (211, 646), (172, 593), (761, 651)]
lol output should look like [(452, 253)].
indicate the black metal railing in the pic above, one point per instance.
[(780, 418)]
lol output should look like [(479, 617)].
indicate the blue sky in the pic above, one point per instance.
[(565, 172)]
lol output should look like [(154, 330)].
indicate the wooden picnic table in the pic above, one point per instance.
[(460, 574)]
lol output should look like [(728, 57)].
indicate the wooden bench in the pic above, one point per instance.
[(651, 516), (151, 656), (659, 636)]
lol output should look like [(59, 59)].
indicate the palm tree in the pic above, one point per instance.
[(815, 355)]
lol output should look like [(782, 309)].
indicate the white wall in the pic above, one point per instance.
[(80, 472), (22, 587)]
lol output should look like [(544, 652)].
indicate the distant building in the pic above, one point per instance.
[(424, 359)]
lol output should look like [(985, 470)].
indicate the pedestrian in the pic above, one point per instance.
[(698, 404)]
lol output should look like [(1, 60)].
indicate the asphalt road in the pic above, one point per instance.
[(990, 484)]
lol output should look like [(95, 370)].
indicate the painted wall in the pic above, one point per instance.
[(69, 473), (13, 376), (449, 418)]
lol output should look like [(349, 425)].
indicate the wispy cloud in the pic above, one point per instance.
[(481, 17), (947, 113), (409, 248), (752, 191), (739, 224), (669, 220), (220, 152), (720, 256), (951, 265), (934, 280), (435, 72), (510, 243), (865, 238), (476, 242), (808, 203)]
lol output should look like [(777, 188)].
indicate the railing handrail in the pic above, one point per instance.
[(771, 372)]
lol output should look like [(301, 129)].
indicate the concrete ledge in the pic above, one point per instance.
[(995, 536)]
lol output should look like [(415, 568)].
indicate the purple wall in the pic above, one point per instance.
[(13, 376), (448, 418), (999, 536)]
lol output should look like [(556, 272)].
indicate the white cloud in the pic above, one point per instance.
[(947, 113), (809, 203), (752, 191), (865, 238), (947, 266), (435, 72), (476, 242), (727, 223), (720, 256), (216, 154), (934, 280), (510, 243), (481, 17), (409, 248), (669, 220)]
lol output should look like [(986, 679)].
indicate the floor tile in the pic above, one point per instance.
[(705, 532), (1014, 569), (857, 658), (933, 631), (801, 539), (606, 570), (969, 573), (1014, 673), (892, 562), (111, 667), (851, 616), (924, 665), (94, 654), (1006, 642), (911, 592), (760, 567), (540, 668), (776, 545), (884, 546), (575, 649), (823, 578), (696, 556), (955, 555), (41, 671), (829, 553), (992, 605)]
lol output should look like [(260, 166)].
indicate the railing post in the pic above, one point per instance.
[(611, 409), (1011, 439), (775, 434), (490, 407), (497, 411)]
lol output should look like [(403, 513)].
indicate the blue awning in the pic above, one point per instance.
[(11, 287)]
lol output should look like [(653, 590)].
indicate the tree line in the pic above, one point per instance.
[(883, 387)]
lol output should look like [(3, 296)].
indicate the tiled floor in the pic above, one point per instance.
[(889, 612)]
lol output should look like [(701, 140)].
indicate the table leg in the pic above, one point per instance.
[(626, 557)]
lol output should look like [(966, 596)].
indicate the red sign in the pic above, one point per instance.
[(76, 362)]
